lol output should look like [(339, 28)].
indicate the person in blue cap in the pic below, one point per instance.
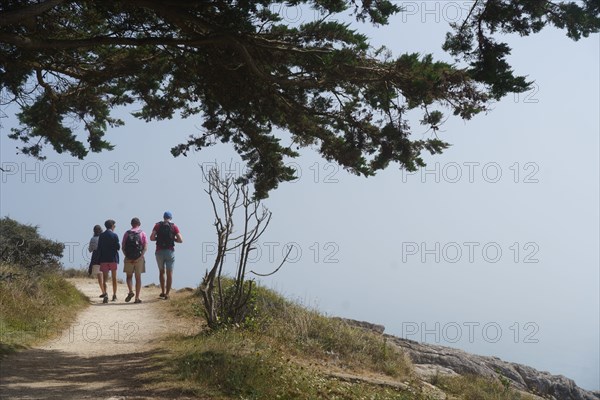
[(165, 233)]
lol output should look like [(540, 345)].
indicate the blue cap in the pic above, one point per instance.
[(168, 215)]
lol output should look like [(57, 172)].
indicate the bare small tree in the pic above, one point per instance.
[(229, 198)]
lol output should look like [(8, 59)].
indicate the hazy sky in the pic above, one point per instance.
[(494, 248)]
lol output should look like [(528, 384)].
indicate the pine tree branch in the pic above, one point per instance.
[(19, 15)]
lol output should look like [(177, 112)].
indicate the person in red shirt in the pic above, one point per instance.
[(166, 234)]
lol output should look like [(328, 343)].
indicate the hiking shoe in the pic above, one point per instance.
[(114, 297), (103, 295), (105, 300), (129, 297), (162, 295), (137, 301), (166, 297)]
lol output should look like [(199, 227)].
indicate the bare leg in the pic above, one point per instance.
[(114, 282), (129, 281), (169, 280), (138, 284), (161, 278), (101, 282), (104, 279)]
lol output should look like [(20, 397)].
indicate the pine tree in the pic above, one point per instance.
[(247, 74)]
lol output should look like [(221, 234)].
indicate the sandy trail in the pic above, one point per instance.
[(104, 354)]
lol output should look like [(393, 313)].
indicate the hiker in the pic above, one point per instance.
[(134, 247), (94, 268), (166, 233), (108, 256)]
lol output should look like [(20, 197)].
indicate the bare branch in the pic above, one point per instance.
[(232, 307), (468, 16), (278, 268)]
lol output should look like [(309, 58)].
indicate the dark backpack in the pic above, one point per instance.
[(165, 237), (133, 245)]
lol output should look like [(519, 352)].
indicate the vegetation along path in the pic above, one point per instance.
[(107, 353)]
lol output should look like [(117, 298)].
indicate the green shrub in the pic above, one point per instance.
[(23, 246)]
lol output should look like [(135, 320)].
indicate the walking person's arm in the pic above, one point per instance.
[(123, 242), (178, 238), (99, 248), (117, 248), (145, 242)]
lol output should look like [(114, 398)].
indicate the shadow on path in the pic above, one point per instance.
[(53, 374)]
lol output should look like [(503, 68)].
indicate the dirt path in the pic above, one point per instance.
[(104, 354)]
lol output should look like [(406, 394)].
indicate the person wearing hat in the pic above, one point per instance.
[(165, 234)]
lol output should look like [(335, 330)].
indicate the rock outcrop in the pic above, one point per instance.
[(522, 377), (363, 324), (430, 359)]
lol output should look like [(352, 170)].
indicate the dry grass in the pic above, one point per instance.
[(477, 388), (34, 307), (237, 364), (283, 351), (308, 333)]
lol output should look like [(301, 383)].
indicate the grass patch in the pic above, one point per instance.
[(34, 307), (239, 364), (307, 332), (477, 388), (283, 351)]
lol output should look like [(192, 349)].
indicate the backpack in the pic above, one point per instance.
[(133, 245), (165, 237)]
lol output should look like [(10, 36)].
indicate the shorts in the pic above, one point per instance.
[(95, 269), (165, 258), (138, 266), (105, 267)]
